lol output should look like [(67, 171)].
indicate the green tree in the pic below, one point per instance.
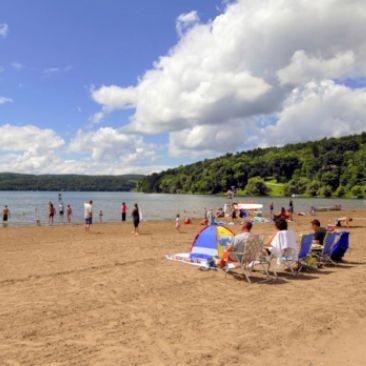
[(313, 188), (340, 192), (358, 192), (256, 186), (325, 191)]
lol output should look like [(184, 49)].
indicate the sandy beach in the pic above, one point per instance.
[(109, 298)]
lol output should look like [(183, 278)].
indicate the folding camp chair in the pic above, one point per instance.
[(287, 257), (250, 256), (326, 255), (304, 253), (340, 247)]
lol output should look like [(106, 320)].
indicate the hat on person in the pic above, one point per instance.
[(315, 222)]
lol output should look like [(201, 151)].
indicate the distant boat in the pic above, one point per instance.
[(328, 208)]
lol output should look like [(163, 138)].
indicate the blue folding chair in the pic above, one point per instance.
[(305, 249), (326, 254)]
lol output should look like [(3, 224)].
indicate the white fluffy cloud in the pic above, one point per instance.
[(28, 148), (304, 68), (28, 138), (108, 144), (205, 140), (243, 65), (112, 98), (4, 29), (319, 109), (31, 149)]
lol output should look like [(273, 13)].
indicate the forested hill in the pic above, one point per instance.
[(329, 167), (25, 182)]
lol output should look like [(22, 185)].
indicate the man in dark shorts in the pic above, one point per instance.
[(88, 215), (319, 232)]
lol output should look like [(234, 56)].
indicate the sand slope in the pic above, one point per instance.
[(108, 298)]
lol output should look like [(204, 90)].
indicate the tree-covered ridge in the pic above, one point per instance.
[(26, 182), (329, 167)]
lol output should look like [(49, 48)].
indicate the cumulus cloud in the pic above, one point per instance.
[(317, 110), (4, 100), (28, 139), (4, 29), (239, 67), (304, 68), (186, 21), (112, 98), (30, 149), (109, 144), (206, 140)]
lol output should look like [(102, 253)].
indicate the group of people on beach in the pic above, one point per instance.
[(52, 212), (286, 242), (135, 214), (88, 214)]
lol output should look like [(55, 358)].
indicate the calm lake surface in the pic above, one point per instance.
[(153, 206)]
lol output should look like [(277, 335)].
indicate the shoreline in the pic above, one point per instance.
[(194, 219)]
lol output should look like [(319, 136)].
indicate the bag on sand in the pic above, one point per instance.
[(341, 246)]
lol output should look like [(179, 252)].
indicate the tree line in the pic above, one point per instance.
[(328, 167), (28, 182)]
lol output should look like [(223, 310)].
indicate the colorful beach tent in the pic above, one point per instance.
[(210, 241)]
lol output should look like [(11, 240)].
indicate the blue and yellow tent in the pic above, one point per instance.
[(210, 242)]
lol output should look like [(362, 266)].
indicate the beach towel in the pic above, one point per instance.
[(186, 258)]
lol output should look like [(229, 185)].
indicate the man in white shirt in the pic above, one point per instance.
[(88, 215)]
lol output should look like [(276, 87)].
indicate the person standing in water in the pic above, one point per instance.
[(136, 219), (291, 208), (51, 213), (123, 211), (271, 209), (88, 215), (101, 216), (6, 215), (69, 214), (61, 208)]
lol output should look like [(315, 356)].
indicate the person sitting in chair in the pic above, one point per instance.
[(283, 241), (319, 232), (238, 243)]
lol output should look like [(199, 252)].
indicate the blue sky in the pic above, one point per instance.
[(111, 87)]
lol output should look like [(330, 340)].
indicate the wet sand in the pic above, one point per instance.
[(109, 298)]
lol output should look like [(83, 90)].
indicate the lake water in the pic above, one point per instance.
[(153, 206)]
